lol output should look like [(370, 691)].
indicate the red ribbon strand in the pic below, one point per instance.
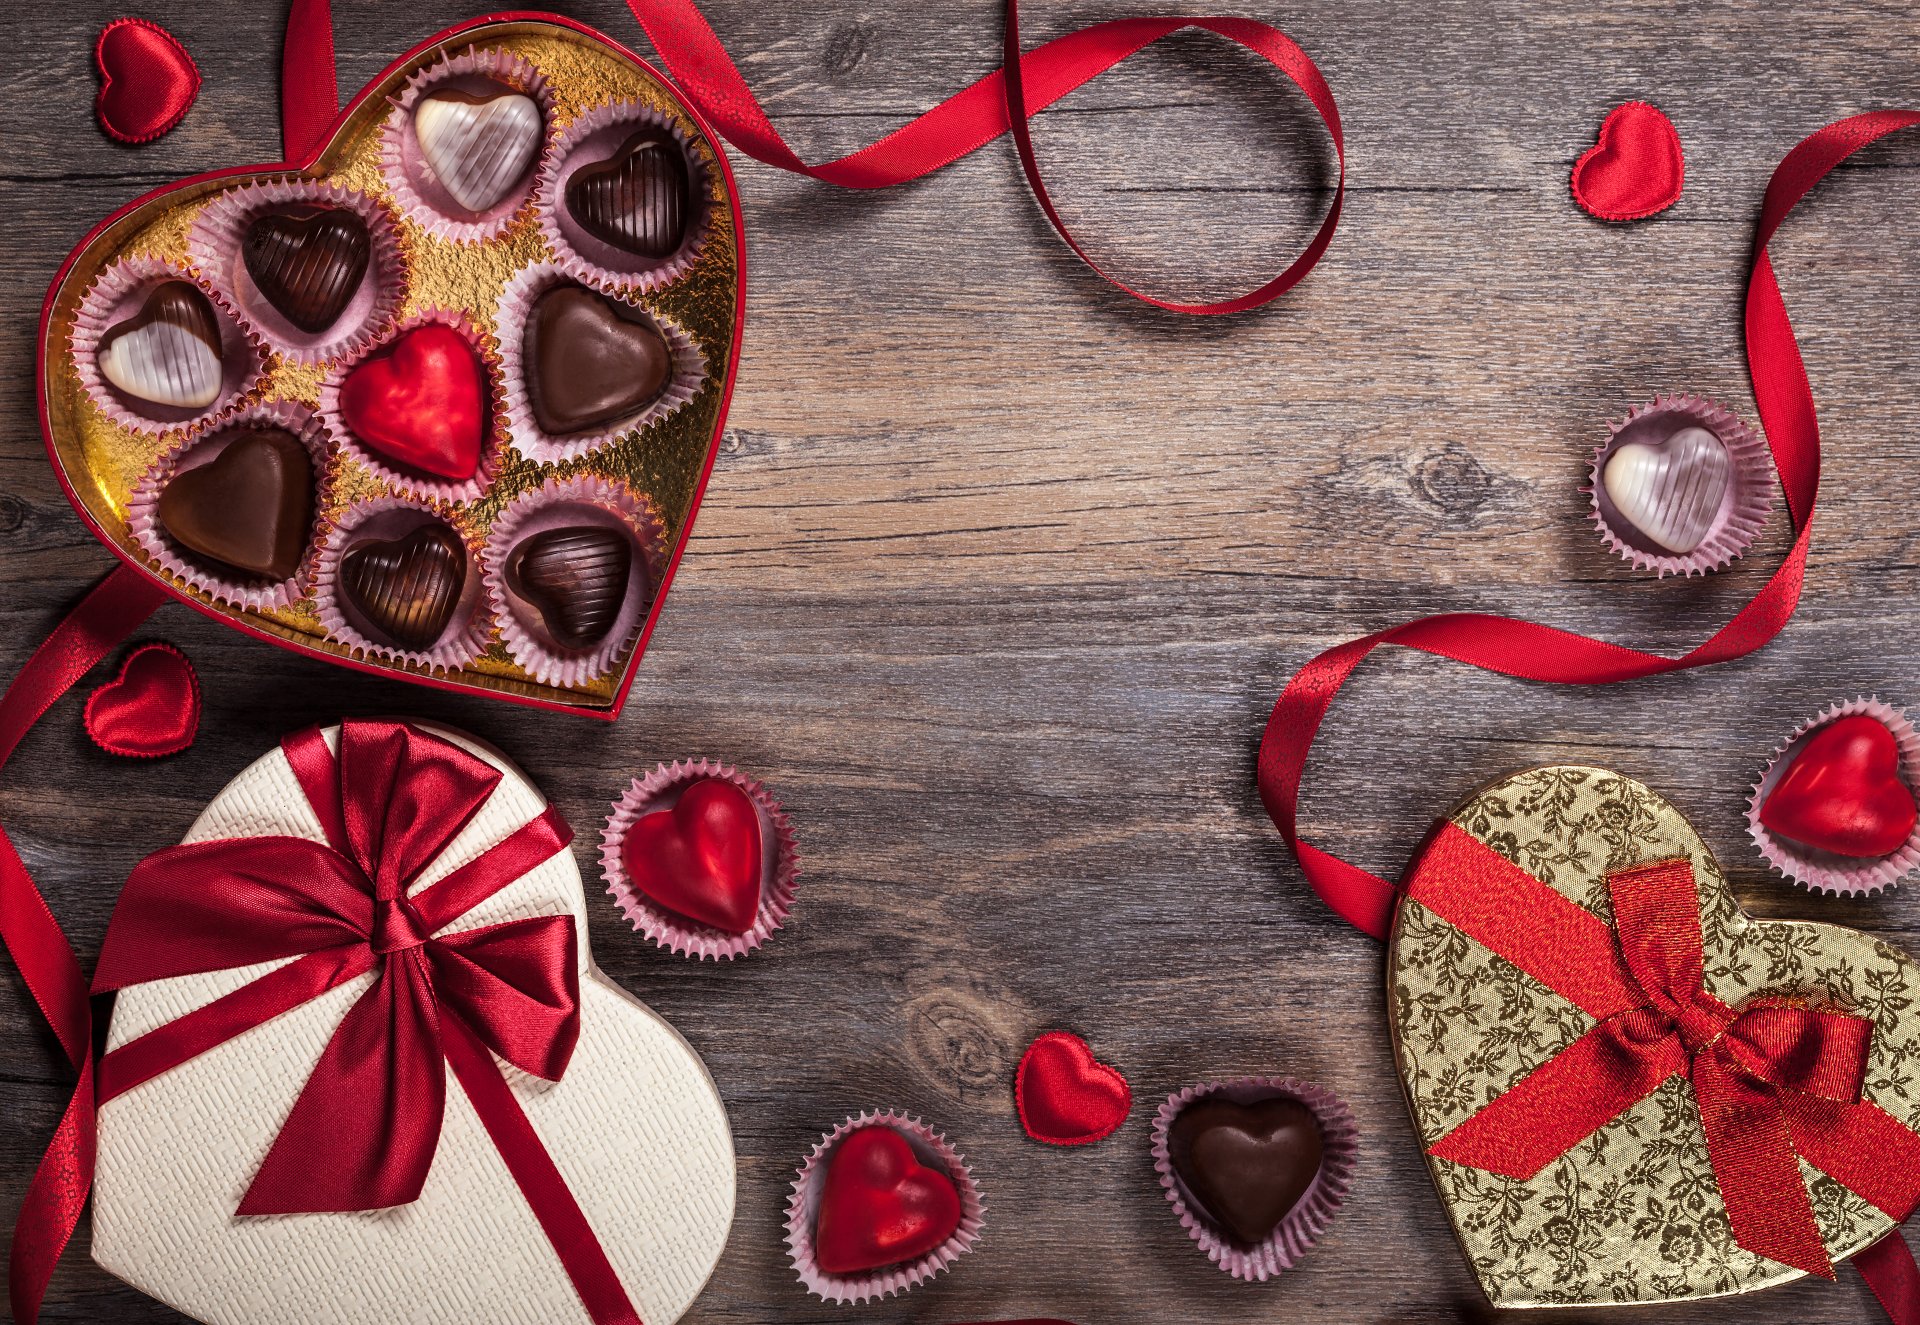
[(1003, 101), (109, 613)]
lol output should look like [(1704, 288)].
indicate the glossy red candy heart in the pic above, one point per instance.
[(700, 859), (1843, 792), (422, 402), (1636, 169), (880, 1205), (1066, 1096), (147, 80), (152, 708)]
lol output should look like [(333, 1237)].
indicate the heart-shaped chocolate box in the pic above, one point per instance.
[(1633, 1213), (658, 465)]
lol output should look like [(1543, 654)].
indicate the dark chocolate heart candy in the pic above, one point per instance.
[(308, 263), (576, 578), (407, 588), (1246, 1165), (250, 508), (169, 352), (638, 198), (590, 360)]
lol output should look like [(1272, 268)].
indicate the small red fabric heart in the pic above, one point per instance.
[(880, 1205), (1066, 1096), (1843, 792), (1636, 169), (701, 859), (152, 708), (422, 402), (147, 80)]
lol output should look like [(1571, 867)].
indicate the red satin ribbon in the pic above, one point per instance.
[(1542, 653), (1776, 1081), (363, 1132), (965, 122), (109, 613)]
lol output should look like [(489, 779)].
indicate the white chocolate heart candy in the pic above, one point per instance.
[(479, 147), (169, 352), (1673, 492)]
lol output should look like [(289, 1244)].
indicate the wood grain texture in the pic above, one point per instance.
[(999, 574)]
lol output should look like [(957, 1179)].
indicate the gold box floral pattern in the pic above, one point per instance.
[(1633, 1213)]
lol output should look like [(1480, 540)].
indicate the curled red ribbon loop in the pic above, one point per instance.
[(363, 1132), (1542, 653), (1765, 1075), (962, 124)]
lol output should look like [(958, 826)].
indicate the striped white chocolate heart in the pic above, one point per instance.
[(1672, 492), (479, 147), (169, 352)]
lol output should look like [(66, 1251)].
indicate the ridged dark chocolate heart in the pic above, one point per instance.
[(576, 578), (407, 588), (590, 360), (169, 352), (1246, 1164), (308, 263), (637, 199), (250, 508)]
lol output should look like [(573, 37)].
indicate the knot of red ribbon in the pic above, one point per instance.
[(1776, 1080), (363, 1132)]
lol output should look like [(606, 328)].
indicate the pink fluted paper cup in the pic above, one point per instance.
[(689, 371), (779, 862), (1823, 871), (803, 1208), (116, 295), (383, 519), (216, 246), (595, 135), (409, 482), (417, 192), (200, 447), (1312, 1213), (1743, 507)]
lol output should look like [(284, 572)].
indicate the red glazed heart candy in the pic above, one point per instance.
[(1637, 167), (1066, 1096), (1843, 793), (880, 1205), (152, 708), (421, 403), (147, 80), (700, 859)]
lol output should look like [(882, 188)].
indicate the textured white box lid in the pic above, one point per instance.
[(637, 1129)]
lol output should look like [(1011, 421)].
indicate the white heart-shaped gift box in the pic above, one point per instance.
[(635, 1127)]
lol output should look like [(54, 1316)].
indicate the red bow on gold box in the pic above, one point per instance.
[(1629, 1089)]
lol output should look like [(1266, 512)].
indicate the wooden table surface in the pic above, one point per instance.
[(999, 573)]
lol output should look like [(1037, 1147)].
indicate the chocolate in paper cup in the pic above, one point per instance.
[(116, 295), (199, 447), (779, 862), (563, 504), (1743, 507), (416, 190), (595, 135), (427, 486), (689, 371), (1311, 1214), (384, 519), (803, 1207), (1823, 871), (216, 246)]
